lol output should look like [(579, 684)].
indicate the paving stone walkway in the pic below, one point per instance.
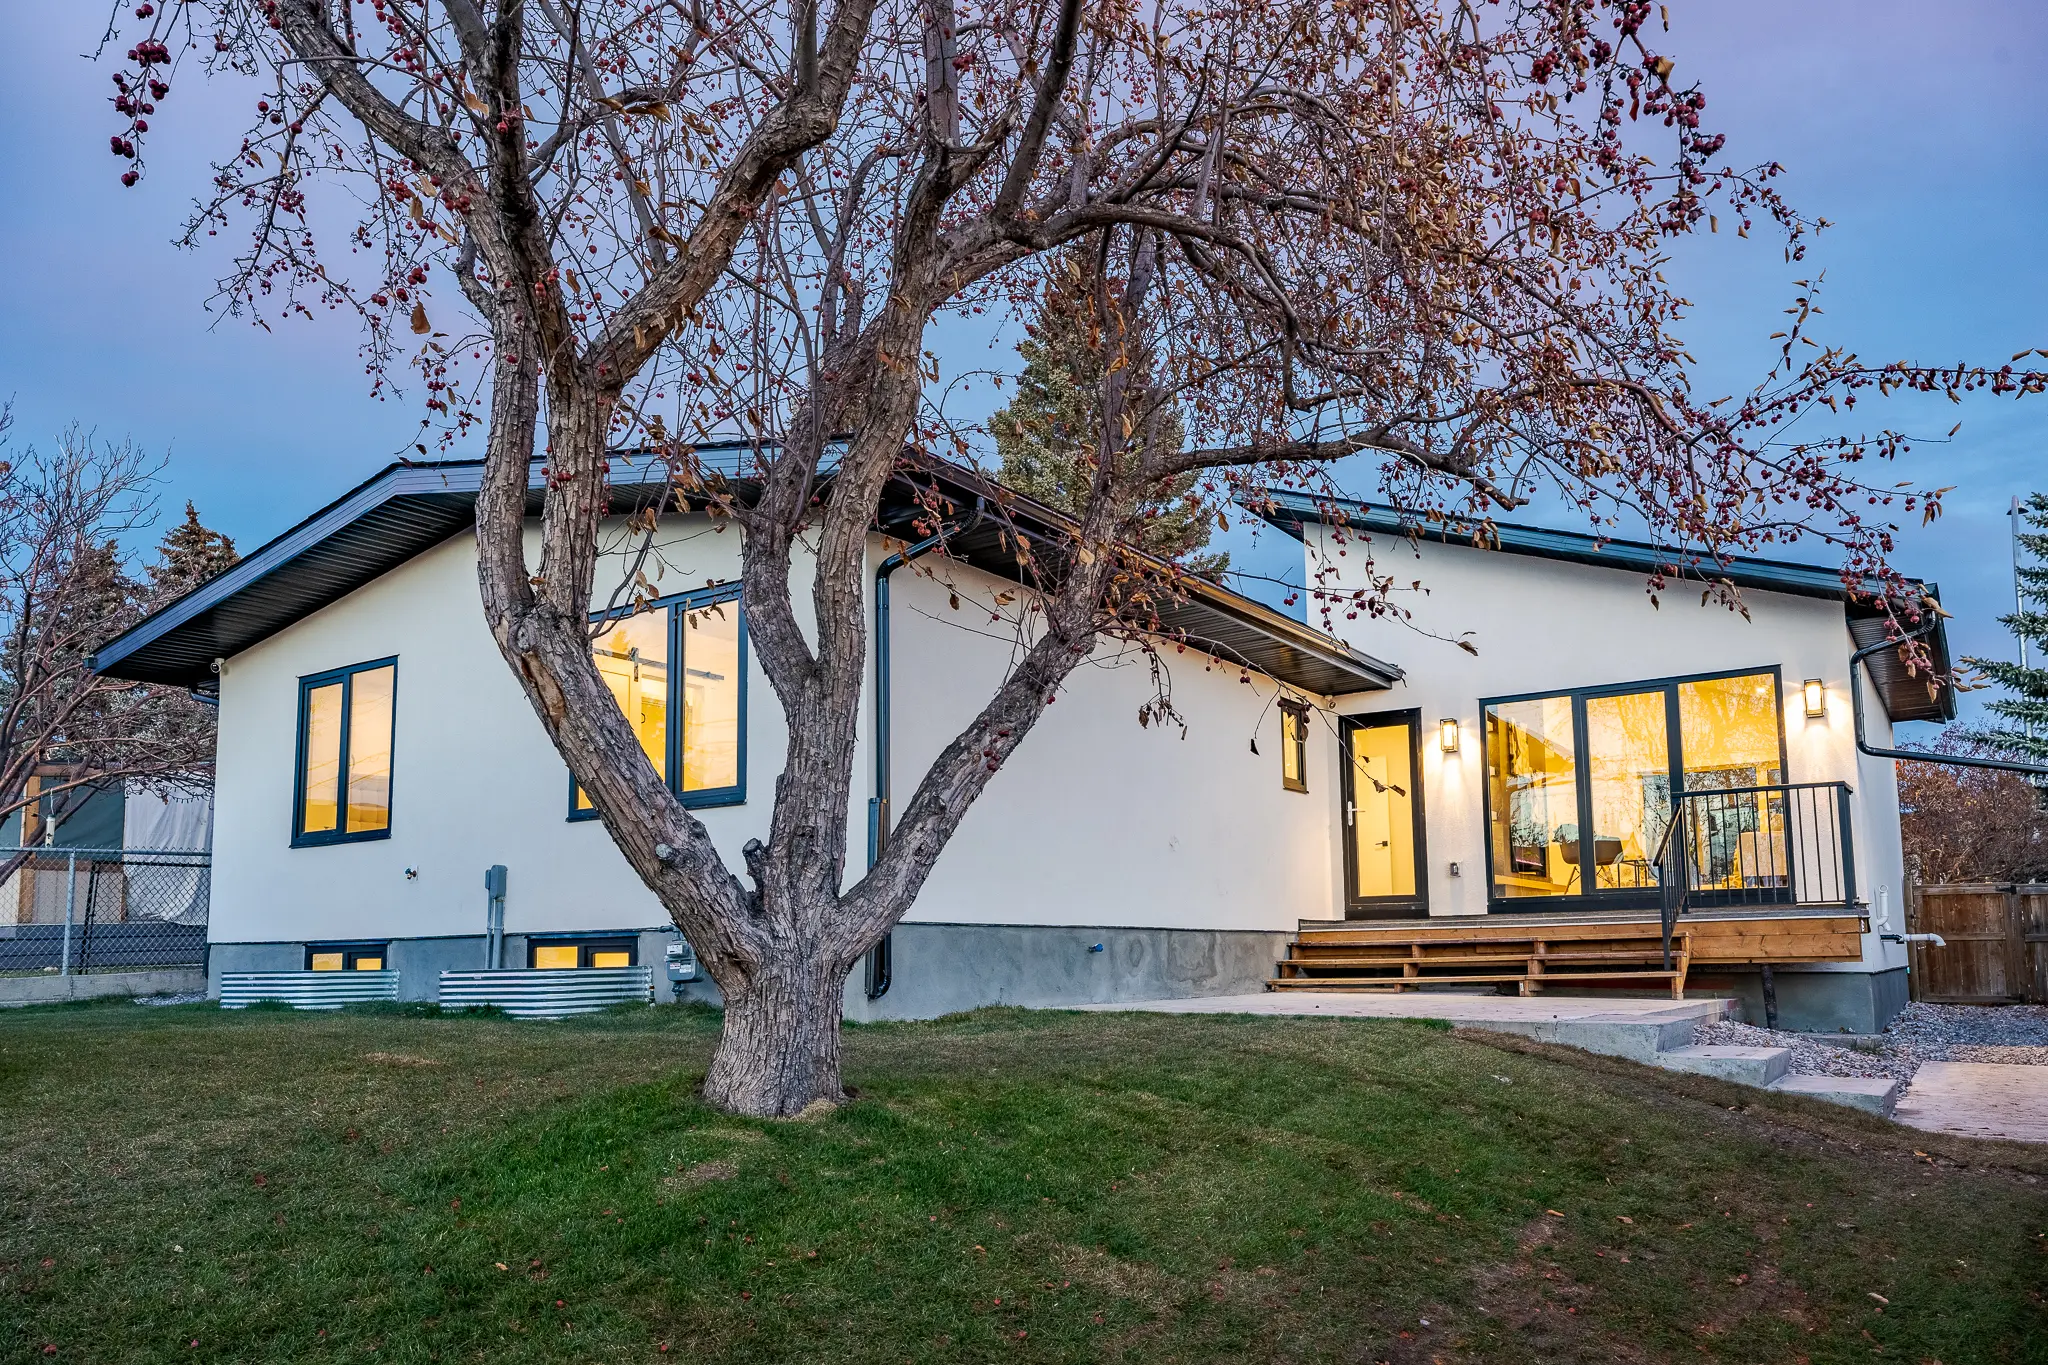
[(1978, 1099)]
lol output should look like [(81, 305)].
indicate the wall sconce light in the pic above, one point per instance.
[(1816, 699), (1447, 734)]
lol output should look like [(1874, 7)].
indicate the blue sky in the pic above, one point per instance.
[(1915, 128)]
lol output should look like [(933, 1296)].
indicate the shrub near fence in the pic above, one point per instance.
[(98, 910)]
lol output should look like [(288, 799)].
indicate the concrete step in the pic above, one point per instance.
[(1757, 1066), (1877, 1094)]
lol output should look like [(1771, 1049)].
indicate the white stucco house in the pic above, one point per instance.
[(376, 757)]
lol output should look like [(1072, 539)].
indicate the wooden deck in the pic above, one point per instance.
[(1534, 951)]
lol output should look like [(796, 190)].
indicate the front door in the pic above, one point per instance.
[(1383, 845)]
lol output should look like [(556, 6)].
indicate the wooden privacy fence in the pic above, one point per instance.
[(1997, 936)]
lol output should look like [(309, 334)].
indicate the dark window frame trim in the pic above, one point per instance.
[(585, 944), (1298, 741), (340, 834), (677, 606), (351, 948), (1631, 898), (1384, 907)]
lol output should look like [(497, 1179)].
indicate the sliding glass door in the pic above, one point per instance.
[(1383, 815), (1580, 784)]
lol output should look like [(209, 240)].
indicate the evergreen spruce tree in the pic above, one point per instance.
[(189, 555), (1050, 436), (2025, 708)]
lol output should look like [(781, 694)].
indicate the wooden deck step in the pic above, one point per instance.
[(1345, 959), (1529, 984), (1477, 959)]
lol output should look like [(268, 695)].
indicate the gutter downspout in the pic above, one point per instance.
[(1910, 755), (1953, 760), (879, 964)]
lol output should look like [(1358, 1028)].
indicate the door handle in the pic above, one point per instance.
[(1350, 812)]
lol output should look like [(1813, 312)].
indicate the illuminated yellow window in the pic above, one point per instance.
[(632, 658), (345, 957), (1293, 747), (344, 758), (678, 675), (566, 954), (1581, 786), (711, 697)]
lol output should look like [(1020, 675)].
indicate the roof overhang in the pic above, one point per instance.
[(1907, 695), (407, 509)]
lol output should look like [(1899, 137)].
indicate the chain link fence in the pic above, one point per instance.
[(102, 910)]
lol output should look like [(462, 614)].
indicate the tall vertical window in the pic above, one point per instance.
[(343, 787), (677, 670), (1294, 746), (1580, 786)]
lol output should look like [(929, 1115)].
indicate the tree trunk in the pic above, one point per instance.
[(780, 1050)]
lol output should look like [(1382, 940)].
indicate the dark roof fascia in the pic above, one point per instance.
[(453, 476), (1203, 613), (1289, 511), (1233, 628)]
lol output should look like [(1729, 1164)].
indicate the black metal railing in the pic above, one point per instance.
[(95, 910), (1788, 844)]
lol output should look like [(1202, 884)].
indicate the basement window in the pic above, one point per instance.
[(1294, 746), (346, 957), (342, 785), (567, 954)]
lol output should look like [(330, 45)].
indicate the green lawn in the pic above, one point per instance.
[(186, 1184)]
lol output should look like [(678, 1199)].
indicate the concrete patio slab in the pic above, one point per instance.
[(1978, 1099), (1639, 1029)]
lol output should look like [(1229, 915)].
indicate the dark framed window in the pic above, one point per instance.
[(341, 791), (347, 957), (561, 952), (1580, 784), (678, 670), (1294, 746)]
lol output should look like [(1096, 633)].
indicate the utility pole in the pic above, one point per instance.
[(2019, 597)]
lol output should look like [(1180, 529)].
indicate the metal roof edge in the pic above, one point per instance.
[(281, 550), (1287, 511), (465, 476)]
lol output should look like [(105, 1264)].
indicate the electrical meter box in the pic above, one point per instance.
[(682, 962)]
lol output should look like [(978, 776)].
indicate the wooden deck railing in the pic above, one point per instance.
[(1786, 844)]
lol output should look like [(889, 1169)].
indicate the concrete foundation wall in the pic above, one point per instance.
[(1814, 1002), (938, 968), (50, 989)]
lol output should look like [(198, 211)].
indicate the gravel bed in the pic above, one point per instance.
[(186, 998), (2015, 1035)]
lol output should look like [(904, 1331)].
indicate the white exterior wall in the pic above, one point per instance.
[(1549, 625), (1095, 821), (474, 779)]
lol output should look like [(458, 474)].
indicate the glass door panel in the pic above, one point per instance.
[(1381, 805), (1628, 769), (1532, 777), (1729, 742)]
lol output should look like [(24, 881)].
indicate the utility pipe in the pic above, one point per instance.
[(878, 968)]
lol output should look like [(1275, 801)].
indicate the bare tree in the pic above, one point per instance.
[(1971, 824), (65, 588), (1414, 243)]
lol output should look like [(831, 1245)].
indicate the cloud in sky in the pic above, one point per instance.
[(1915, 128)]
